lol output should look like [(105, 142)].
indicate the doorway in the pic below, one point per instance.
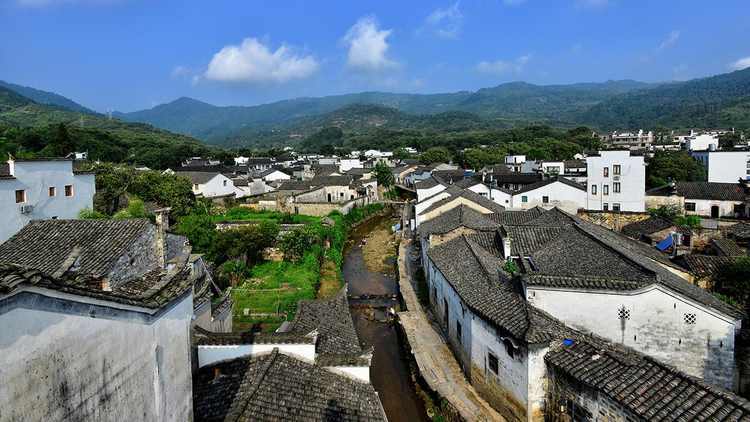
[(714, 211)]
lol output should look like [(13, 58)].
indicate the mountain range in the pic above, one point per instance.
[(717, 101)]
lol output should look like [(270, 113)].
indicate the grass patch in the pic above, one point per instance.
[(331, 280)]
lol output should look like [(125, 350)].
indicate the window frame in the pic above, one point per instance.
[(616, 169), (593, 189), (690, 206), (490, 357), (616, 187), (545, 199), (605, 171), (69, 191), (605, 206), (22, 197), (52, 191), (605, 190), (524, 199), (616, 207)]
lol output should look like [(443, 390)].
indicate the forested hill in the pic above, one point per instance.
[(30, 129), (717, 101), (515, 103), (45, 97)]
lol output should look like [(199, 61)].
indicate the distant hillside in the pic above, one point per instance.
[(512, 103), (28, 128), (44, 97), (717, 101)]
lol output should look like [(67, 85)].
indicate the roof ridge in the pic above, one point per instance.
[(239, 406)]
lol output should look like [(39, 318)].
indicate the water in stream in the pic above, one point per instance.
[(389, 372)]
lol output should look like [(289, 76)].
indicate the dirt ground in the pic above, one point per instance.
[(379, 249)]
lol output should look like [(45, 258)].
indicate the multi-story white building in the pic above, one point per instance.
[(209, 184), (616, 181), (703, 142), (631, 140), (725, 166), (41, 189)]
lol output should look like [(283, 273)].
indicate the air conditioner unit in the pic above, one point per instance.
[(27, 209)]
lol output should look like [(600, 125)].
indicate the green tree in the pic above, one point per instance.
[(729, 140), (245, 243), (384, 175), (296, 242), (733, 280), (135, 209), (435, 155), (200, 230), (674, 166)]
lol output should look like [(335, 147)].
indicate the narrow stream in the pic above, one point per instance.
[(389, 371)]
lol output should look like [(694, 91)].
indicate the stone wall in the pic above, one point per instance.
[(612, 220)]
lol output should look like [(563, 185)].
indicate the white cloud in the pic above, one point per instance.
[(368, 46), (254, 62), (740, 64), (446, 22), (181, 71), (671, 40), (499, 67)]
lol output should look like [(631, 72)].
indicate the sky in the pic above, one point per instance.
[(128, 55)]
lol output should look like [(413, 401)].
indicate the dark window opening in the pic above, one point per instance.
[(492, 362), (545, 199), (689, 206), (509, 348)]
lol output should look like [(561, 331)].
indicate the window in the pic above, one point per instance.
[(545, 199), (606, 171), (510, 349), (593, 189), (52, 191), (616, 187), (20, 196), (458, 331), (616, 169), (524, 199), (623, 313), (195, 186), (605, 190), (605, 206), (68, 190), (689, 319), (224, 182), (689, 206), (492, 362), (616, 206)]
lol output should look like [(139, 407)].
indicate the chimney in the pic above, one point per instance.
[(506, 245), (162, 225)]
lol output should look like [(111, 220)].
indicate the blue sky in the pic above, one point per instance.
[(132, 54)]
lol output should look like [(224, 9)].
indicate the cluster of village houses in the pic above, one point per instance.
[(560, 297)]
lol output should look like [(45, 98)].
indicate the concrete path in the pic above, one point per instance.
[(436, 362)]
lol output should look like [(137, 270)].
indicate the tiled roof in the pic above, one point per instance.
[(427, 183), (646, 227), (516, 217), (517, 178), (644, 386), (740, 231), (574, 164), (552, 218), (337, 338), (46, 244), (153, 290), (703, 265), (549, 181), (727, 247), (203, 337), (344, 180), (457, 192), (703, 190), (197, 177), (277, 387), (461, 216)]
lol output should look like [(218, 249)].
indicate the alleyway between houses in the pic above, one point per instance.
[(436, 362)]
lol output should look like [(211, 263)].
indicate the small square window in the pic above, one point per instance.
[(524, 199), (689, 206), (492, 362), (68, 190), (623, 313), (20, 196), (52, 191), (605, 206), (545, 199), (689, 319), (616, 207), (616, 169)]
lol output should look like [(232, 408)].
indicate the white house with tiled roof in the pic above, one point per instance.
[(41, 189)]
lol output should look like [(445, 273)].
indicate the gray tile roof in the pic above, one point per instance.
[(703, 190), (154, 290), (740, 231), (703, 265), (516, 217), (344, 180), (427, 183), (457, 192), (461, 216), (203, 337), (277, 387), (644, 386), (527, 239), (197, 177), (727, 247), (338, 343), (46, 244), (646, 227), (549, 181)]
